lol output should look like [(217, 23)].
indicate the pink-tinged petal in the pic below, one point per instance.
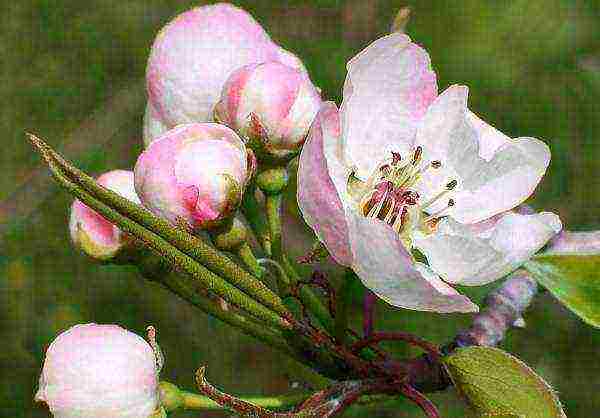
[(279, 99), (318, 198), (186, 174), (384, 266), (195, 53), (98, 371), (481, 253), (488, 183), (389, 86), (93, 234)]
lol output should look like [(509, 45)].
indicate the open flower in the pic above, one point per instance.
[(98, 371), (411, 189), (194, 173), (194, 54), (271, 104), (93, 234)]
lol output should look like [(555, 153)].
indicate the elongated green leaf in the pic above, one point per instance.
[(574, 280), (497, 384)]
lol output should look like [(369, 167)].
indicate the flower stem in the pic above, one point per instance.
[(423, 402), (253, 213), (342, 309), (247, 256), (309, 299), (195, 401), (369, 302)]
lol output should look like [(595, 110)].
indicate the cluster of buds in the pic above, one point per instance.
[(220, 93)]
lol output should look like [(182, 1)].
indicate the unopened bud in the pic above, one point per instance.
[(272, 181), (195, 53), (98, 371), (194, 173), (93, 234), (272, 105)]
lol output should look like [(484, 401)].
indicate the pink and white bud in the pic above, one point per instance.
[(272, 105), (194, 54), (93, 234), (98, 371), (194, 173)]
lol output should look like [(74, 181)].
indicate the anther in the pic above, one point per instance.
[(436, 164), (396, 158), (451, 185), (417, 155)]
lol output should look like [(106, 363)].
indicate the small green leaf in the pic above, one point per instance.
[(496, 384), (574, 280)]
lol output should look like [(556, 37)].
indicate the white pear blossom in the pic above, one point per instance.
[(413, 190)]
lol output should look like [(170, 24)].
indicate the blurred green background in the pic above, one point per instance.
[(73, 73)]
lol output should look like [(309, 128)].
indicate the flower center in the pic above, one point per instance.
[(391, 197)]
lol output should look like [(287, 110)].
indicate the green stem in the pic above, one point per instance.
[(273, 209), (253, 212), (178, 259), (247, 256), (342, 310), (230, 317), (309, 299), (190, 245), (195, 401)]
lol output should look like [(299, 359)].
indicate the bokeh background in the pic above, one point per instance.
[(72, 71)]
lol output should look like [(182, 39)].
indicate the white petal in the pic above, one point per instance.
[(388, 87), (494, 173), (481, 253), (384, 266), (490, 138), (504, 182)]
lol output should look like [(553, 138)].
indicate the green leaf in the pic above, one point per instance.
[(574, 280), (496, 384)]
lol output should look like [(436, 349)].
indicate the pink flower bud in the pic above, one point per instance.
[(99, 371), (194, 173), (271, 104), (193, 55), (93, 234)]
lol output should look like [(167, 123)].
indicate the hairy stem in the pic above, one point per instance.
[(178, 259), (195, 248)]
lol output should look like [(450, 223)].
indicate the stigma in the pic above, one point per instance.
[(391, 198)]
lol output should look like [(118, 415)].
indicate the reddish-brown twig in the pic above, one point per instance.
[(411, 339), (247, 409), (421, 400)]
